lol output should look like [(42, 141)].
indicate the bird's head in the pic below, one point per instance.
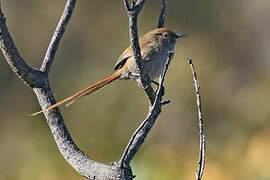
[(165, 36)]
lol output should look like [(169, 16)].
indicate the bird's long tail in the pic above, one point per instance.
[(82, 93)]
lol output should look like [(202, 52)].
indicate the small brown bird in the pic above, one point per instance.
[(155, 46)]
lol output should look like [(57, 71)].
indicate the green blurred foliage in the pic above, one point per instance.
[(229, 44)]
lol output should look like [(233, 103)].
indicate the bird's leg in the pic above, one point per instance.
[(162, 92), (157, 84)]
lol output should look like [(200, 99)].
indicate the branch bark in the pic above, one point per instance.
[(162, 16), (57, 36), (201, 162), (133, 12), (30, 76), (155, 98), (154, 110)]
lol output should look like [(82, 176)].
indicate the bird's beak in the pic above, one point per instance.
[(178, 36)]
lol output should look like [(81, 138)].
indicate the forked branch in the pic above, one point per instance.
[(155, 98)]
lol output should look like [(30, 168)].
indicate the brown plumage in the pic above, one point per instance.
[(154, 46)]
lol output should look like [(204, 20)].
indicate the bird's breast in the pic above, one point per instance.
[(154, 63)]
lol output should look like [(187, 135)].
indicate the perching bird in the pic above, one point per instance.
[(155, 46)]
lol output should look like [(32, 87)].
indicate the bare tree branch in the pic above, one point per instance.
[(199, 173), (30, 76), (133, 13), (127, 5), (57, 36), (161, 20), (39, 82), (155, 99), (141, 133), (67, 147)]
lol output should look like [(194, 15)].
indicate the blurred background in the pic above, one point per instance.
[(229, 43)]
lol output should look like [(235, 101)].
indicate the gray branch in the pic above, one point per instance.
[(30, 76), (57, 36), (73, 155), (154, 110), (133, 12), (199, 173), (161, 20), (155, 98)]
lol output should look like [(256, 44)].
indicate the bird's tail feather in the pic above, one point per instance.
[(82, 93)]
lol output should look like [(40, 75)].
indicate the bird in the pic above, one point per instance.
[(154, 45)]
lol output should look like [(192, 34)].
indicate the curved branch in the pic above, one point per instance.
[(199, 173), (30, 76), (141, 133), (133, 13), (73, 155), (57, 36)]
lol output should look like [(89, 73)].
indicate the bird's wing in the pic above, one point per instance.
[(129, 53), (123, 58)]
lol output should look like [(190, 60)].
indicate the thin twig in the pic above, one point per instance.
[(161, 20), (57, 36), (201, 162), (126, 5), (133, 13), (142, 131)]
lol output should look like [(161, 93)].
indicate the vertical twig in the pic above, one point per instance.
[(133, 12), (161, 20), (201, 162), (57, 36)]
